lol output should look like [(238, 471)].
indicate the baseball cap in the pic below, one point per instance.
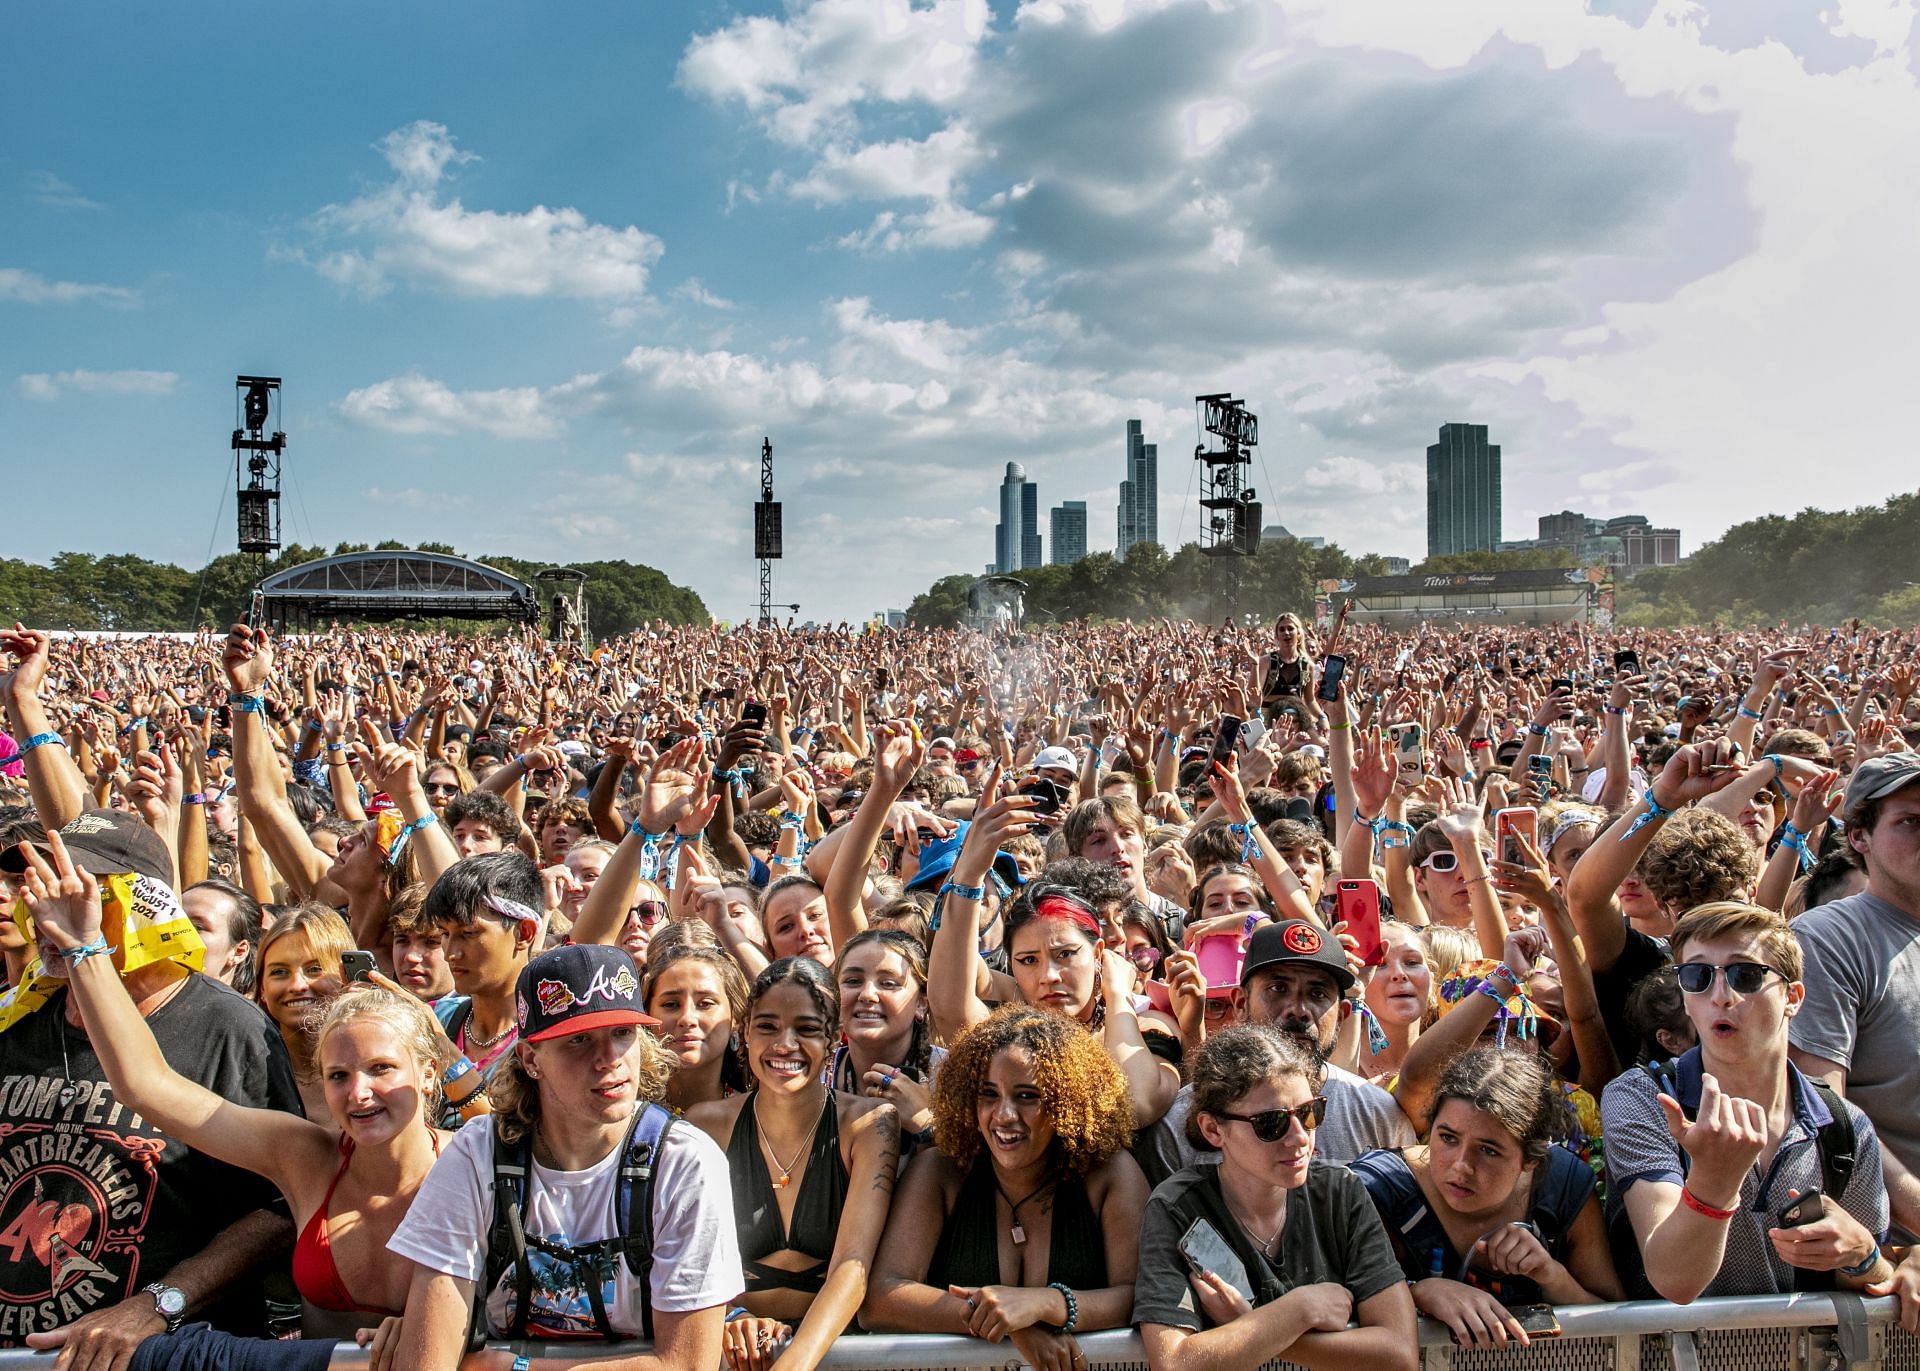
[(106, 842), (1296, 942), (1057, 757), (947, 743), (575, 988), (1881, 776)]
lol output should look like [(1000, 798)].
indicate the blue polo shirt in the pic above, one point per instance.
[(1639, 1148)]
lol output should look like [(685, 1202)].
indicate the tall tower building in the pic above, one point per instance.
[(1463, 491), (1068, 527), (1139, 513), (1016, 538)]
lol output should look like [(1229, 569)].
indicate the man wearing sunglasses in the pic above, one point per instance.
[(1861, 1022), (1710, 1154), (1296, 978)]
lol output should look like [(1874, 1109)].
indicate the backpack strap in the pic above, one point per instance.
[(507, 1239), (633, 1201), (1836, 1142)]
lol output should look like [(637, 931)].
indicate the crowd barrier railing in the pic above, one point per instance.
[(1836, 1332)]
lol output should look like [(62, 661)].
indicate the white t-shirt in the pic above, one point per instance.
[(696, 1252)]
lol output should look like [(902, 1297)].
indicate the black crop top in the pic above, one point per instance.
[(969, 1249), (816, 1210)]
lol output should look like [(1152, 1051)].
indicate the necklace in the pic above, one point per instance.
[(479, 1044), (1266, 1244), (785, 1169), (69, 1088), (1019, 1229)]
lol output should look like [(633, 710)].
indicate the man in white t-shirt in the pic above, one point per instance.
[(583, 1066)]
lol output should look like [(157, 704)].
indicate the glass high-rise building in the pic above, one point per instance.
[(1139, 513), (1068, 527), (1016, 538), (1463, 491)]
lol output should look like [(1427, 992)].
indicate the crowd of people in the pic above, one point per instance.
[(733, 992)]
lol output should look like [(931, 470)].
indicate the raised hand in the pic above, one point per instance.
[(62, 899), (1724, 1139), (31, 648), (247, 658)]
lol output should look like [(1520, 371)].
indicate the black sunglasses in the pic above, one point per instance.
[(650, 912), (1271, 1125), (1743, 978)]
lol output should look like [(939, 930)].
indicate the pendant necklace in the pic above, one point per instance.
[(1266, 1244), (785, 1169), (1019, 1230), (70, 1088)]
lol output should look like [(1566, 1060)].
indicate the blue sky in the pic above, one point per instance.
[(538, 286)]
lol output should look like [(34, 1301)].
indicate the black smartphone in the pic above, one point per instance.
[(1226, 734), (1627, 663), (356, 965), (1206, 1250), (755, 713), (1537, 1320), (1048, 795), (881, 680), (1331, 674), (1798, 1213)]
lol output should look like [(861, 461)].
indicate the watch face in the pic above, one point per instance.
[(170, 1301)]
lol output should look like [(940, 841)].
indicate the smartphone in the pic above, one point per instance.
[(881, 680), (1331, 674), (1206, 1250), (1409, 745), (754, 712), (1048, 795), (1357, 904), (1626, 663), (1225, 735), (1510, 825), (1540, 767), (1798, 1213), (1536, 1320), (356, 965)]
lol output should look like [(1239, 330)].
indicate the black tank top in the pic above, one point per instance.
[(816, 1210), (969, 1249)]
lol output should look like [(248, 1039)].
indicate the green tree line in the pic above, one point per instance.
[(1816, 566), (125, 593)]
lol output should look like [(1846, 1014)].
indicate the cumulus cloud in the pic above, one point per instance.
[(42, 385), (31, 288), (414, 404), (408, 232), (902, 169), (44, 188)]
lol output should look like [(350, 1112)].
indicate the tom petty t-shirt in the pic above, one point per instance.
[(95, 1203)]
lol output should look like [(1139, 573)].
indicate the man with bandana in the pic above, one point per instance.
[(109, 1231)]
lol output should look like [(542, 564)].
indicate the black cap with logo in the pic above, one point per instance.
[(1297, 942), (576, 988), (106, 842)]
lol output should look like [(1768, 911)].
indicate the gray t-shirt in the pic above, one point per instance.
[(1863, 1009), (1361, 1117)]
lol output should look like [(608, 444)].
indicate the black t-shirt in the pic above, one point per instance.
[(95, 1203), (1332, 1234), (1639, 959)]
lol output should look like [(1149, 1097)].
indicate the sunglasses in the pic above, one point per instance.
[(1743, 978), (442, 787), (1271, 1125), (649, 912), (1146, 958), (1446, 860)]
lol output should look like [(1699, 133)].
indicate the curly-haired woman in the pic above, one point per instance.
[(1025, 1224)]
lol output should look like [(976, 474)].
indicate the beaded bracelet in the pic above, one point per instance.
[(1073, 1306)]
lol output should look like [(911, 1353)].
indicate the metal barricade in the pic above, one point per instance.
[(1741, 1333)]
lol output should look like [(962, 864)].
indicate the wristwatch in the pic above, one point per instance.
[(170, 1304)]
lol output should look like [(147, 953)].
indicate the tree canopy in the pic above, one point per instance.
[(124, 593)]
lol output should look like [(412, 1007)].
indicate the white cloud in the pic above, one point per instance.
[(406, 233), (413, 404), (44, 188), (41, 385), (695, 290), (946, 225), (903, 169), (31, 288)]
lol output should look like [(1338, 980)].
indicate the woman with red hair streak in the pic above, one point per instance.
[(1056, 956)]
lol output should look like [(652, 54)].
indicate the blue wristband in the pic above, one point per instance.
[(965, 892), (248, 704), (1746, 713), (73, 956), (37, 740)]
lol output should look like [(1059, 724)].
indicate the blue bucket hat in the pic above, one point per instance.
[(937, 859)]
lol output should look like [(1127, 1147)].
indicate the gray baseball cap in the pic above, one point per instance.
[(1879, 777)]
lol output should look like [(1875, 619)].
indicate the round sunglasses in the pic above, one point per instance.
[(1743, 978), (1271, 1125)]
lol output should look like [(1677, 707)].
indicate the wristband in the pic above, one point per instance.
[(522, 1364), (1655, 810), (248, 704), (1864, 1265), (1746, 713), (737, 1312), (1700, 1206), (1609, 709), (1073, 1305), (463, 1067), (975, 893), (73, 956), (336, 748), (1540, 730), (137, 724), (1480, 742), (199, 797), (1374, 823), (37, 740), (1336, 728), (314, 726)]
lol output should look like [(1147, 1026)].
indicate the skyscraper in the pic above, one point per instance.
[(1016, 538), (1139, 514), (1068, 526), (1463, 491)]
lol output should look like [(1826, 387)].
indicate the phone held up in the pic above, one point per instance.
[(1331, 674), (356, 965), (1510, 825), (1226, 735), (1357, 905)]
